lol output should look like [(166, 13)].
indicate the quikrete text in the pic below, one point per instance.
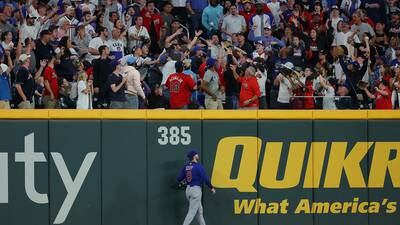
[(320, 168)]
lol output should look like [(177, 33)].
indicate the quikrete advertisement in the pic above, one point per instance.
[(343, 166)]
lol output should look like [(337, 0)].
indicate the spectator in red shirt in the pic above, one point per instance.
[(153, 22), (50, 96), (180, 87), (202, 69), (309, 92), (249, 91), (382, 96), (248, 11)]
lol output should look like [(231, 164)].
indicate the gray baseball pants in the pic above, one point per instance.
[(193, 195)]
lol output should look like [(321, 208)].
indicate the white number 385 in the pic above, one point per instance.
[(174, 135)]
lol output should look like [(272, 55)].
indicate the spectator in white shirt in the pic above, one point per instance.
[(137, 34), (95, 43), (261, 76), (285, 88), (30, 28), (328, 102), (345, 37), (334, 19), (133, 84), (116, 44), (360, 27), (275, 7), (259, 21), (233, 23)]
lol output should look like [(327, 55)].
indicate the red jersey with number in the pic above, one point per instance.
[(51, 76), (180, 88), (383, 102), (249, 88)]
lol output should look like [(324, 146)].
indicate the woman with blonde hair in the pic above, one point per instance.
[(85, 90)]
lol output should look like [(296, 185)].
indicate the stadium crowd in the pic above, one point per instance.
[(190, 54)]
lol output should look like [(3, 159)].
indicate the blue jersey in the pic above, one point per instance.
[(5, 87), (194, 174)]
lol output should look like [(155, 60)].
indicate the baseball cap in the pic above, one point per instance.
[(163, 59), (260, 42), (28, 16), (131, 59), (267, 27), (288, 65), (3, 67), (211, 62), (259, 2), (196, 48), (191, 154), (334, 7), (23, 57)]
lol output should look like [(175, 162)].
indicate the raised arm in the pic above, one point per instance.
[(43, 64), (371, 96), (90, 21), (173, 36), (234, 72), (189, 8), (195, 39)]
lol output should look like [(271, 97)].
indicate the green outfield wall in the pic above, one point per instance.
[(269, 167)]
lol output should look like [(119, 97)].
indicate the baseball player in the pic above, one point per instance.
[(194, 175)]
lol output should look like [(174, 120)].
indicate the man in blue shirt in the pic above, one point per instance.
[(195, 8), (269, 41), (194, 175), (210, 17), (5, 87)]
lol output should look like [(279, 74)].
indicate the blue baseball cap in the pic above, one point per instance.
[(191, 154), (211, 62), (163, 59), (196, 48), (131, 59)]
